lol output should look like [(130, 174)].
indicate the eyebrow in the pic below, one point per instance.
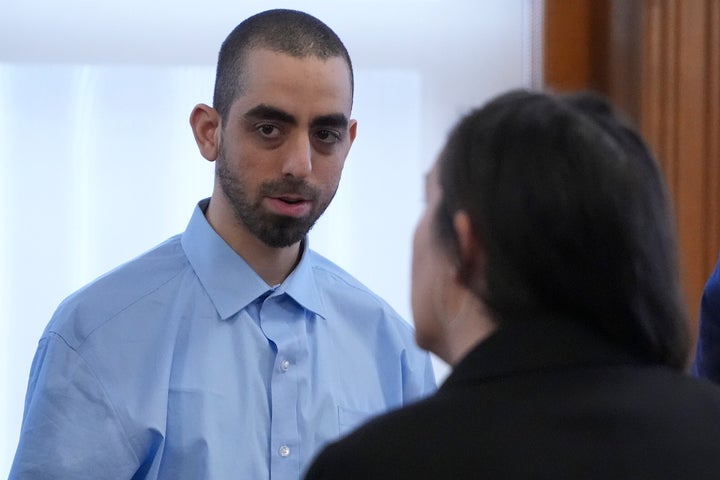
[(267, 112), (336, 120)]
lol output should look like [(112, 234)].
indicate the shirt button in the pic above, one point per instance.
[(285, 365), (284, 451)]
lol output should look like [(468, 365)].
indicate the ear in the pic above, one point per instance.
[(353, 130), (206, 126), (469, 249)]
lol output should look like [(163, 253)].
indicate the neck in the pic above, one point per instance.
[(273, 265), (472, 325)]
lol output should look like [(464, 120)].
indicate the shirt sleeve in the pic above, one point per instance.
[(707, 357), (69, 428)]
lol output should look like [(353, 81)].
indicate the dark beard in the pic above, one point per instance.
[(274, 230)]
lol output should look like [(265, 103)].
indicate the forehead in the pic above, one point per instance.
[(287, 82)]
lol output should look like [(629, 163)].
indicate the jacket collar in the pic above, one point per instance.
[(537, 344)]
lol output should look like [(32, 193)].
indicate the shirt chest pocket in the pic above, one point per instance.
[(349, 419)]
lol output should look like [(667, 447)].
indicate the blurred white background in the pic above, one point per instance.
[(98, 163)]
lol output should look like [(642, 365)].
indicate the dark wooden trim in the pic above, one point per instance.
[(566, 36), (712, 103)]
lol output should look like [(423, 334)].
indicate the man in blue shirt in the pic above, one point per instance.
[(231, 350), (707, 356)]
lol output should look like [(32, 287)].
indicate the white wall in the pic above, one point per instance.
[(98, 164)]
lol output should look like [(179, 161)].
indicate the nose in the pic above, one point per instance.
[(298, 157)]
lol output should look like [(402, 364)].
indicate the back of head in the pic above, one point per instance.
[(290, 32), (571, 211)]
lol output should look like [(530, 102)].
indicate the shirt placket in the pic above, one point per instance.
[(281, 320)]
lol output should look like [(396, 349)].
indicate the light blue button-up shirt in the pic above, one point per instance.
[(185, 364)]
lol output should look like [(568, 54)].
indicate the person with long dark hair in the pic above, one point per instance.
[(545, 273)]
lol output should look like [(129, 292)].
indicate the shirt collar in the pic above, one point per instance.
[(228, 279), (301, 284)]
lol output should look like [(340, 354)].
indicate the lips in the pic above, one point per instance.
[(289, 205), (290, 197)]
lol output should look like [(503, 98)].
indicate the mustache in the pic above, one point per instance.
[(289, 186)]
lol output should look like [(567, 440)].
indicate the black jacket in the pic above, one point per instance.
[(542, 400)]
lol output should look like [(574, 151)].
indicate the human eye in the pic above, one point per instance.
[(268, 130), (328, 136)]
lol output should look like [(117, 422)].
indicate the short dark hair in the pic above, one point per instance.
[(286, 31), (572, 212)]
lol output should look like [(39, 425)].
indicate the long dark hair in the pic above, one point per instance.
[(572, 213)]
